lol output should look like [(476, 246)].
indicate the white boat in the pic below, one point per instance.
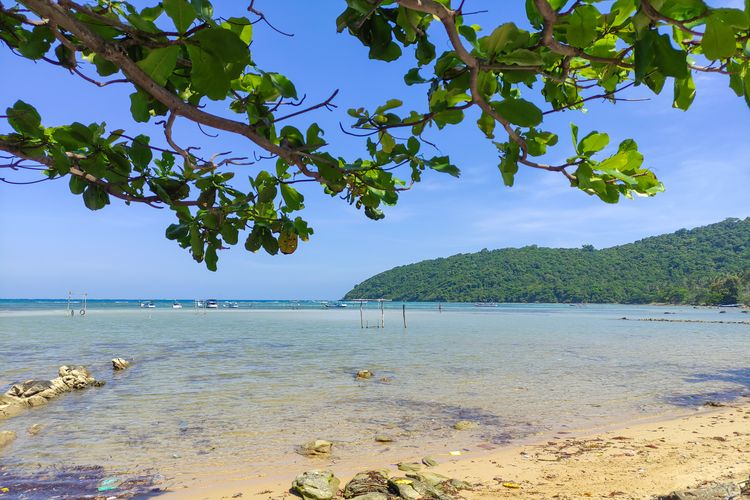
[(335, 305), (176, 305), (231, 305), (148, 304), (212, 304)]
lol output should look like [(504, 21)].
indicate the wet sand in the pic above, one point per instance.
[(636, 460)]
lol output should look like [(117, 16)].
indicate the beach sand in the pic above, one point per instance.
[(636, 460)]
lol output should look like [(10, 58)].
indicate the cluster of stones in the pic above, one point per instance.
[(33, 393), (377, 485), (23, 395)]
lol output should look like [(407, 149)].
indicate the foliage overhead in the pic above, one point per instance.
[(178, 55), (706, 265)]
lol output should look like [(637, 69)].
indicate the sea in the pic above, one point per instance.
[(234, 391)]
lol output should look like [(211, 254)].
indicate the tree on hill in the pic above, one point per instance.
[(706, 265), (178, 55)]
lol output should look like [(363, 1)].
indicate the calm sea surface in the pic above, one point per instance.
[(238, 389)]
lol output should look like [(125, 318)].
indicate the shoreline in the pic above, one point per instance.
[(637, 458)]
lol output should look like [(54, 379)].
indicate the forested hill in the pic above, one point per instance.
[(706, 265)]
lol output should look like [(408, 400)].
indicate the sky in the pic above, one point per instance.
[(50, 243)]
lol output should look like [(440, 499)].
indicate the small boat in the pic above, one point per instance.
[(148, 304), (176, 305), (335, 305), (231, 305), (212, 304)]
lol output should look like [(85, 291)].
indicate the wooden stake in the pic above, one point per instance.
[(403, 311)]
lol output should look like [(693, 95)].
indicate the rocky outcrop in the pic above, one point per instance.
[(364, 375), (724, 491), (368, 482), (6, 437), (23, 395), (463, 425), (316, 485), (119, 364), (316, 448)]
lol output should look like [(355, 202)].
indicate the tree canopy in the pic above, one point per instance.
[(706, 265), (179, 55)]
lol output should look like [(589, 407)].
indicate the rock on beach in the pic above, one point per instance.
[(31, 393), (6, 437), (316, 485), (319, 447)]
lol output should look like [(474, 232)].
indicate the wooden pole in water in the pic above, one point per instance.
[(382, 315), (403, 311), (361, 318)]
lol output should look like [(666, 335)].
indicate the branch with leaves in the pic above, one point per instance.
[(576, 54)]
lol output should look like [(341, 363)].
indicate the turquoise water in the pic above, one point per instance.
[(237, 389)]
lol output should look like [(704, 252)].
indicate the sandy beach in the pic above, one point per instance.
[(637, 460)]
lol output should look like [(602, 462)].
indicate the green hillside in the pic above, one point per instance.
[(706, 265)]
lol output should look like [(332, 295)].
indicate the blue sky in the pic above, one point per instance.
[(50, 243)]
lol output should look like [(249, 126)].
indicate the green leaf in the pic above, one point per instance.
[(684, 93), (500, 38), (254, 240), (508, 166), (241, 26), (443, 164), (270, 244), (203, 9), (283, 85), (62, 161), (211, 257), (582, 26), (77, 185), (177, 231), (207, 74), (425, 52), (412, 77), (219, 57), (139, 152), (718, 41), (139, 107), (733, 17), (229, 233), (292, 198), (95, 197), (390, 104), (181, 13), (521, 57), (593, 143), (25, 119), (487, 125), (574, 133), (160, 63), (387, 143), (37, 42), (519, 112), (644, 54), (671, 62)]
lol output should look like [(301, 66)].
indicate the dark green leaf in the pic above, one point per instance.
[(24, 119), (160, 63), (181, 13), (519, 112), (718, 41), (95, 197)]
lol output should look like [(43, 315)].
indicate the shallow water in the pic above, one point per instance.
[(238, 389)]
